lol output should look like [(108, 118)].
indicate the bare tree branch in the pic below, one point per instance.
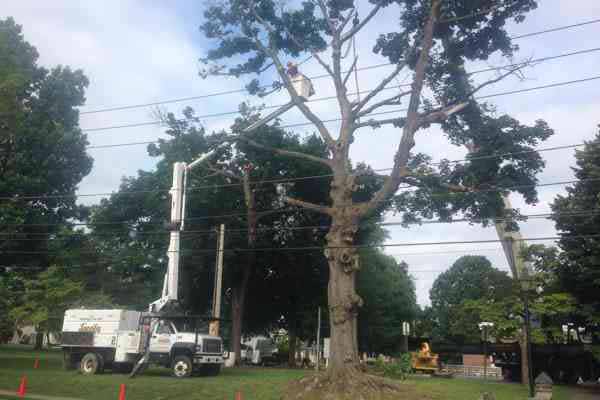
[(379, 87), (223, 172), (514, 70), (347, 19), (307, 205), (282, 152), (298, 101), (394, 100), (441, 115), (377, 123), (348, 35), (412, 121), (349, 72), (323, 8)]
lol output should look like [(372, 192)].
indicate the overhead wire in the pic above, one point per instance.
[(244, 90), (327, 98), (239, 231), (366, 246)]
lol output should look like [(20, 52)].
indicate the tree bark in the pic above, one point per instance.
[(343, 300), (237, 312), (292, 348), (238, 298)]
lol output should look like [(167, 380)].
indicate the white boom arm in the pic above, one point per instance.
[(178, 196)]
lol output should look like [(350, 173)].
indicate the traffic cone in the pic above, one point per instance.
[(238, 396), (36, 363), (22, 387), (122, 392)]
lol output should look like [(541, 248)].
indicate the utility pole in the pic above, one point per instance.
[(318, 339), (216, 314)]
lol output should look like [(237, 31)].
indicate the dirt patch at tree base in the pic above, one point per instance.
[(352, 386)]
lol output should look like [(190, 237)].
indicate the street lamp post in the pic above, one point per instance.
[(484, 327)]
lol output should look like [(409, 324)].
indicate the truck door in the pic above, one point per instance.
[(160, 341)]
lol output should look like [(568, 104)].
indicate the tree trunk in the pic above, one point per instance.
[(343, 301), (292, 348), (238, 300)]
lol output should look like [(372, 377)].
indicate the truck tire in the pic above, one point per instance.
[(91, 364), (182, 367)]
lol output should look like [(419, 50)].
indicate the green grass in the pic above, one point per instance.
[(156, 384)]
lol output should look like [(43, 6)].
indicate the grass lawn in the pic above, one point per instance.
[(156, 384)]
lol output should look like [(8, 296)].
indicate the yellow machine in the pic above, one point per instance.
[(424, 360)]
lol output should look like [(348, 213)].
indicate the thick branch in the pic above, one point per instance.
[(309, 206), (411, 125), (379, 87), (394, 100), (282, 152), (348, 35), (323, 8)]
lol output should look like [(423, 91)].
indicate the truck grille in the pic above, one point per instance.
[(211, 346)]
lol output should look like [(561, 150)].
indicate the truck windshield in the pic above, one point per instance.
[(164, 328)]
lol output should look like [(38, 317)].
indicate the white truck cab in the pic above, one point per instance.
[(117, 339)]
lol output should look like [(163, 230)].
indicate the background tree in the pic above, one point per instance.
[(435, 41), (390, 299), (42, 149), (470, 278), (577, 220), (45, 299)]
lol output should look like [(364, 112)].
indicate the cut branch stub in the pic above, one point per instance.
[(348, 309)]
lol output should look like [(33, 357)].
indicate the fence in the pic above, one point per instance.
[(473, 371)]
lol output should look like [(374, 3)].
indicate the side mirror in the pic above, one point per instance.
[(225, 355)]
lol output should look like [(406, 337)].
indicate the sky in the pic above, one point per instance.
[(137, 52)]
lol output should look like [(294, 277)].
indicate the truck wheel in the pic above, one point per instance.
[(182, 367), (91, 364)]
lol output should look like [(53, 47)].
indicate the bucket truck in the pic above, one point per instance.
[(130, 340)]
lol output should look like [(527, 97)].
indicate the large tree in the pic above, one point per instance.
[(42, 149), (577, 219), (435, 40), (469, 278)]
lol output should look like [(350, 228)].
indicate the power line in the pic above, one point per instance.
[(236, 112), (518, 91), (243, 90), (492, 190), (284, 180), (196, 233), (306, 248)]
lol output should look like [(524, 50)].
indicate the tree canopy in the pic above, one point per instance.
[(469, 278), (577, 220), (42, 149)]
